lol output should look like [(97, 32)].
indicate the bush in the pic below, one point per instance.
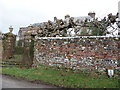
[(18, 50)]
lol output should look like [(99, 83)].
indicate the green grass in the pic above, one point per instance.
[(61, 77)]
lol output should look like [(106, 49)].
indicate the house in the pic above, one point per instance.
[(36, 26), (90, 17)]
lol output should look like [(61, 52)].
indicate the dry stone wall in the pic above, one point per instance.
[(84, 53)]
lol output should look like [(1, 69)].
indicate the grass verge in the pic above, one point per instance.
[(63, 78)]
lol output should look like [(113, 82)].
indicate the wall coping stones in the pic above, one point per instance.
[(116, 37)]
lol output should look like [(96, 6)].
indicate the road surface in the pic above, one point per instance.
[(9, 82)]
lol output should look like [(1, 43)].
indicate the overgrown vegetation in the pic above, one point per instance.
[(18, 50), (62, 77), (17, 58)]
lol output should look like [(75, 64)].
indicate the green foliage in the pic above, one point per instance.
[(95, 30), (17, 58), (63, 77), (28, 53), (19, 43), (32, 49), (18, 50), (4, 41)]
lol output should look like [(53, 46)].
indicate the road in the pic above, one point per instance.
[(9, 82)]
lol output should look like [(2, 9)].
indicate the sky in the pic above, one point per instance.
[(21, 13)]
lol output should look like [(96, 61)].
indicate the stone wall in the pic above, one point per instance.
[(85, 53), (28, 50), (8, 45)]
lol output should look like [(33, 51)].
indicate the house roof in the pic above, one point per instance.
[(82, 18)]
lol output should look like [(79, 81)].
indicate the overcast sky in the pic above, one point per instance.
[(21, 13)]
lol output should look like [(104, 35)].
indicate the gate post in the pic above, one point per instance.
[(27, 60), (8, 42)]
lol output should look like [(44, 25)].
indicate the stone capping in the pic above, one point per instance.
[(37, 37)]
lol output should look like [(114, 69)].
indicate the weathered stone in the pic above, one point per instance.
[(8, 44), (88, 53), (28, 54)]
